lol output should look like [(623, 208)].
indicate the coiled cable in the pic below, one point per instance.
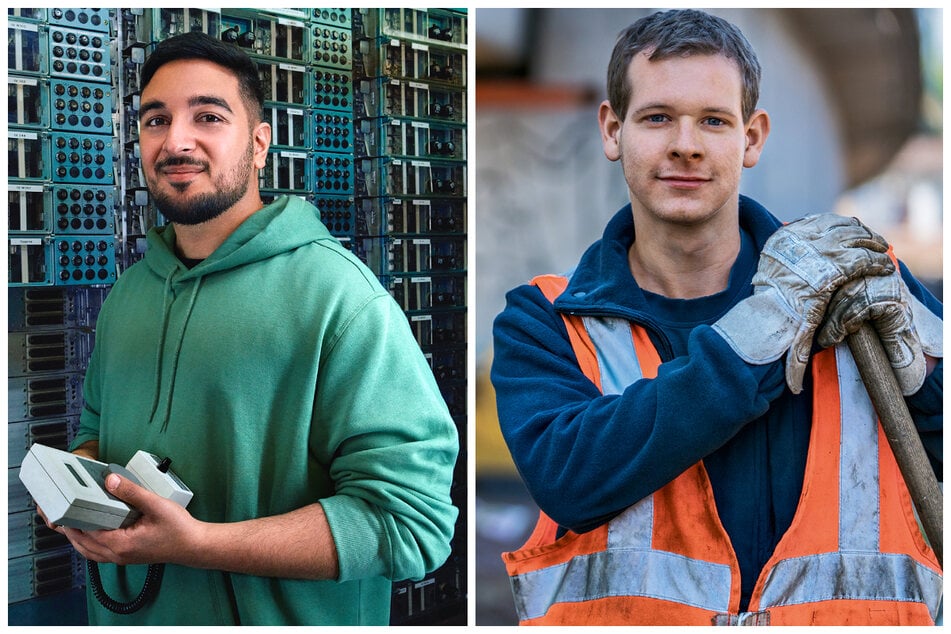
[(153, 579)]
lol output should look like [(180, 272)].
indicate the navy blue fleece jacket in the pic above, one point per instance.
[(585, 457)]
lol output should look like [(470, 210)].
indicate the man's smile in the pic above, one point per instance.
[(683, 181), (181, 173)]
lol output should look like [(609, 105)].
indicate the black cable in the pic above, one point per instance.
[(153, 576), (153, 579)]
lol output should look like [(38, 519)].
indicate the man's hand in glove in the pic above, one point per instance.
[(908, 331), (801, 266)]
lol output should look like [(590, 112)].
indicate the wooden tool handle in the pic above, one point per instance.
[(882, 387)]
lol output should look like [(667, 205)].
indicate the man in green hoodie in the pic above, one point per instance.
[(275, 371)]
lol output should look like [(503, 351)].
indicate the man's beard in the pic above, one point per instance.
[(207, 206)]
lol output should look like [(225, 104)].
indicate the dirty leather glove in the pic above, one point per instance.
[(906, 328), (801, 266)]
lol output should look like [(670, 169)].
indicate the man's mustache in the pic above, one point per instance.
[(175, 161)]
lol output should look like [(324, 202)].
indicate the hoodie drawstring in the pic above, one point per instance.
[(192, 295), (166, 307)]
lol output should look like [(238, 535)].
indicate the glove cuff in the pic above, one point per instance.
[(761, 328), (929, 327)]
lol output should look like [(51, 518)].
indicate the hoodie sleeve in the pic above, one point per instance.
[(585, 456), (392, 447)]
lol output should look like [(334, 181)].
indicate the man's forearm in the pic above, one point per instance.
[(298, 544)]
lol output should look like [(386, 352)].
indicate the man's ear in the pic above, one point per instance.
[(262, 142), (610, 127), (757, 129)]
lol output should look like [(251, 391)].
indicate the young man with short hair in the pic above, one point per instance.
[(284, 382), (695, 459)]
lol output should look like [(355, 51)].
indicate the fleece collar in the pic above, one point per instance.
[(602, 283)]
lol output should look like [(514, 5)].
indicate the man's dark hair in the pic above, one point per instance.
[(198, 45), (680, 33)]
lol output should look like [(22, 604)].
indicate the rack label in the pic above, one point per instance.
[(15, 187), (24, 26), (286, 22)]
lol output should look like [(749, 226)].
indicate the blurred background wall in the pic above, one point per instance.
[(854, 96)]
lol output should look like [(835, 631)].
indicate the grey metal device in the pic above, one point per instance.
[(71, 489)]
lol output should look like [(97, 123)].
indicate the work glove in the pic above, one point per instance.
[(802, 264), (906, 328)]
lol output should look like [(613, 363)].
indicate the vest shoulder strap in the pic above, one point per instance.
[(551, 287)]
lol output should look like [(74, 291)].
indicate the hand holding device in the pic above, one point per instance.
[(71, 490)]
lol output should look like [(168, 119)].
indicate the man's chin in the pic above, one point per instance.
[(184, 210), (194, 209), (181, 187)]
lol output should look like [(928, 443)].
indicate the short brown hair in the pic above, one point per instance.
[(198, 45), (681, 32)]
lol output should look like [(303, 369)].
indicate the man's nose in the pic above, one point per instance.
[(180, 138), (686, 142)]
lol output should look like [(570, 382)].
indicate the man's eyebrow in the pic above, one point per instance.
[(664, 106), (155, 104), (197, 100), (209, 100)]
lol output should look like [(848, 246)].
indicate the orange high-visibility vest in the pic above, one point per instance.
[(853, 554)]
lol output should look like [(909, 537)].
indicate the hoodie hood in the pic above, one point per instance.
[(280, 227), (284, 225)]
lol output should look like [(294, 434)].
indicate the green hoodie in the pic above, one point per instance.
[(275, 373)]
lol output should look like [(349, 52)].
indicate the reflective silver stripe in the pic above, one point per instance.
[(616, 573), (617, 360), (847, 575), (614, 347), (858, 460), (633, 528)]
